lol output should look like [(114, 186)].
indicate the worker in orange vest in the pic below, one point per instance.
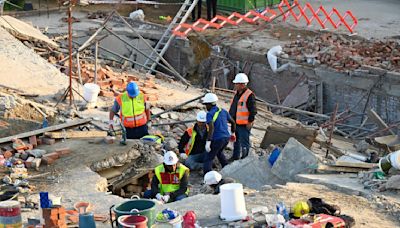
[(133, 112), (243, 110), (193, 141)]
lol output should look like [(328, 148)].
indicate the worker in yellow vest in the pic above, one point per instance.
[(170, 182), (193, 141), (134, 114), (243, 110)]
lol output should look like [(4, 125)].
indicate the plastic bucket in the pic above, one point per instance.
[(10, 214), (87, 220), (233, 206), (395, 159), (90, 92), (138, 221), (274, 155), (143, 207), (384, 164)]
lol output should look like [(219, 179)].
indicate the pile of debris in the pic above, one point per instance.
[(344, 54)]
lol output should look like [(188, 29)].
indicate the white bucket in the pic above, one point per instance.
[(233, 206), (90, 92), (395, 159)]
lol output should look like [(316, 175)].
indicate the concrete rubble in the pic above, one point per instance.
[(301, 145)]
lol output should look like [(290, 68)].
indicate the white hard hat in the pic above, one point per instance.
[(241, 78), (201, 116), (170, 158), (210, 98), (212, 177)]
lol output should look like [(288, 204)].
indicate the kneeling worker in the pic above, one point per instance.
[(193, 142), (214, 180), (170, 182)]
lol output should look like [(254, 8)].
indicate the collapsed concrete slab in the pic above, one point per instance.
[(253, 172), (294, 159), (24, 31)]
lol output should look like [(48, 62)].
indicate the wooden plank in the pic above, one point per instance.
[(76, 134), (372, 115), (47, 129), (127, 181), (362, 165), (339, 169), (279, 135)]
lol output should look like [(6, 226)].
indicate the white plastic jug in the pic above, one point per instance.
[(233, 206), (395, 159), (90, 92)]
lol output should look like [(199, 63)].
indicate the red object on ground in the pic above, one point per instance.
[(189, 219), (232, 138)]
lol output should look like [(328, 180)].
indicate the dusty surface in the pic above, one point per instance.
[(366, 214), (22, 68)]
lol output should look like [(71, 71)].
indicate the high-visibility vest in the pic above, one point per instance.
[(153, 138), (321, 220), (170, 182), (242, 113), (132, 110), (192, 136)]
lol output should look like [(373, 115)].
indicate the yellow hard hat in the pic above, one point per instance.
[(300, 208)]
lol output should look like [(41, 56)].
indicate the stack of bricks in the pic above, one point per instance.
[(54, 217), (345, 54), (113, 83)]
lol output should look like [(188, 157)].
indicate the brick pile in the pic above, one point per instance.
[(54, 217), (345, 54), (26, 153), (112, 83)]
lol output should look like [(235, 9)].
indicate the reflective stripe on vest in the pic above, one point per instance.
[(152, 138), (242, 113), (216, 114), (132, 110), (170, 182), (189, 145)]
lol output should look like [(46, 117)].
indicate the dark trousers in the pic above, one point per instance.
[(242, 144), (211, 9), (198, 11), (137, 132), (217, 149)]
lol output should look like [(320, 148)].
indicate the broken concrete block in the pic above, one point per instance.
[(170, 144), (33, 141), (28, 162), (37, 153), (393, 183), (24, 156), (36, 163), (48, 141), (295, 158)]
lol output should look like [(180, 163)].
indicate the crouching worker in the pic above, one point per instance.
[(170, 182), (193, 142), (213, 180)]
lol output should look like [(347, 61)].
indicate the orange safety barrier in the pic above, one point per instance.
[(267, 15)]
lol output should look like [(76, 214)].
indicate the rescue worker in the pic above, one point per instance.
[(193, 141), (170, 180), (133, 112), (199, 3), (214, 181), (243, 110), (218, 134)]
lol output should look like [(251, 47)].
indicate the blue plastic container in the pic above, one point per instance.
[(274, 155)]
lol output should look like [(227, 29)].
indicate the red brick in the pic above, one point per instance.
[(132, 78), (63, 151), (47, 161), (152, 97), (39, 141), (53, 155), (33, 141), (48, 141), (7, 154), (105, 93), (117, 83)]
